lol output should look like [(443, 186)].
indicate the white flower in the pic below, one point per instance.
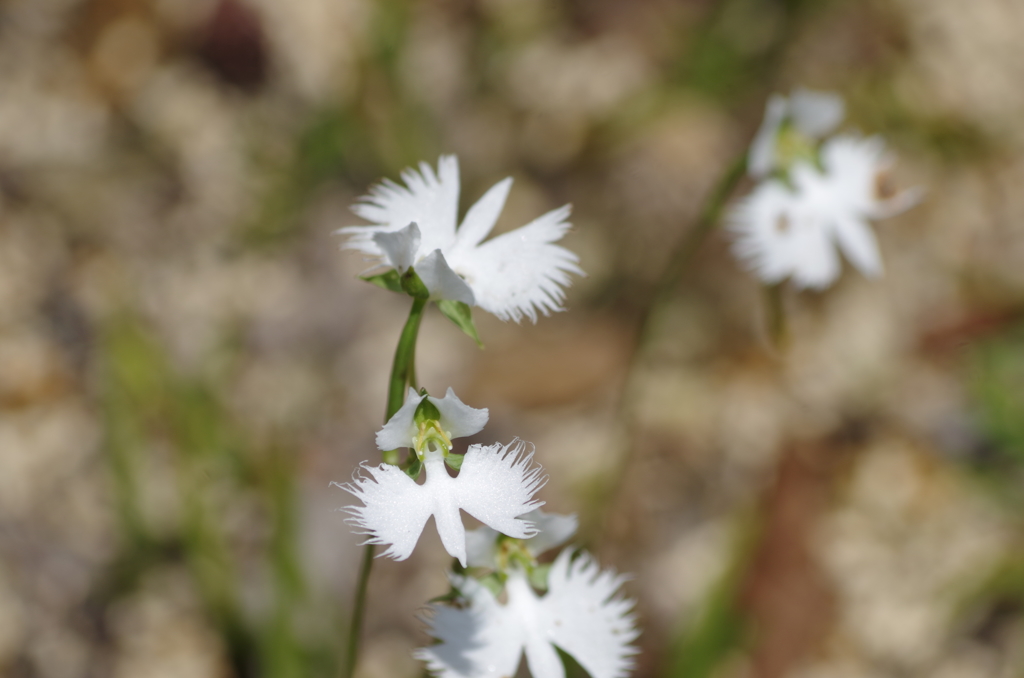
[(458, 420), (553, 530), (495, 485), (513, 275), (581, 614), (813, 114), (792, 231)]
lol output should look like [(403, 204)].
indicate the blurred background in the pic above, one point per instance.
[(187, 359)]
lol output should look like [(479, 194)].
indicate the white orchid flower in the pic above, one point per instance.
[(495, 485), (553, 530), (580, 614), (791, 231), (513, 275), (457, 420), (813, 114)]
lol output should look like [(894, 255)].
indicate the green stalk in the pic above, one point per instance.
[(403, 368), (678, 264), (403, 371)]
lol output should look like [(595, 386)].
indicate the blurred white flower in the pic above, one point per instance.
[(812, 114), (791, 230), (553, 530), (457, 420), (495, 485), (513, 275), (580, 614)]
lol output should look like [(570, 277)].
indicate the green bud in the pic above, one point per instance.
[(426, 412), (413, 286), (539, 577)]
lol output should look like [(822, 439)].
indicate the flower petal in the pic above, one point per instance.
[(482, 547), (441, 280), (399, 247), (761, 157), (554, 530), (394, 510), (585, 617), (858, 243), (481, 640), (482, 215), (521, 272), (400, 429), (496, 485), (457, 418), (429, 199), (816, 113)]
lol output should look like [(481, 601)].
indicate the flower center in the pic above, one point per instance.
[(791, 146), (431, 437)]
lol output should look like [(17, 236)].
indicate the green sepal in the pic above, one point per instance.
[(454, 460), (452, 596), (413, 466), (460, 314), (539, 577), (389, 280), (494, 582), (413, 286)]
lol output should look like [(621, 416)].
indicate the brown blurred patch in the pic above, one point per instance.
[(234, 47), (121, 42), (554, 363), (787, 595)]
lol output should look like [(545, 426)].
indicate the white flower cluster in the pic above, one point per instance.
[(815, 194), (513, 275), (581, 612), (504, 602)]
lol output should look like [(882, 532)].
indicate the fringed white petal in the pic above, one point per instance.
[(400, 429), (518, 274), (582, 614), (478, 641), (521, 273), (496, 485), (429, 199), (457, 418), (394, 510), (441, 280), (586, 618), (399, 247)]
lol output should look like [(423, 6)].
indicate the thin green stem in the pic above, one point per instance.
[(403, 374), (678, 264), (709, 217), (402, 370)]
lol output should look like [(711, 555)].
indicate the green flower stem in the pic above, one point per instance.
[(403, 374), (403, 368), (709, 217), (678, 264)]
